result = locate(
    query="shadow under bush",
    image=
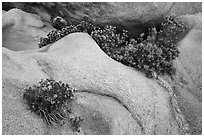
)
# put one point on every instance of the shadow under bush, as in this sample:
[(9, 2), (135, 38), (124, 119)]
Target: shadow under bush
[(152, 53), (51, 101)]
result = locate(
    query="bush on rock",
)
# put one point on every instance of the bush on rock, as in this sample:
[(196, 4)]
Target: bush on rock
[(154, 54), (49, 100)]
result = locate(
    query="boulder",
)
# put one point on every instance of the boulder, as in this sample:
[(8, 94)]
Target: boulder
[(59, 23), (111, 98), (183, 8), (189, 67), (188, 79), (21, 30), (3, 11), (190, 58), (136, 17)]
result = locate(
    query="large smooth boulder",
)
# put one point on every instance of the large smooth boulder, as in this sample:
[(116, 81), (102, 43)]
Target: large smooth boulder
[(136, 17), (189, 61), (3, 11), (189, 67), (188, 79), (185, 8), (21, 30), (111, 98)]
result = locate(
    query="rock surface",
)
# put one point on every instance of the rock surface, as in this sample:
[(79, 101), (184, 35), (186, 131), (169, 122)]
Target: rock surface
[(141, 102), (189, 68), (185, 8), (3, 11), (21, 30), (188, 79), (111, 98), (190, 58), (136, 17)]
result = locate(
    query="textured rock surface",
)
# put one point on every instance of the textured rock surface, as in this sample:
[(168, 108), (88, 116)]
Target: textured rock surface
[(3, 11), (121, 92), (21, 30), (189, 68), (112, 98), (190, 47), (188, 79), (136, 17), (183, 8)]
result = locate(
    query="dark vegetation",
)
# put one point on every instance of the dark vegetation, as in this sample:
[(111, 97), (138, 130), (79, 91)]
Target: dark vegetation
[(65, 10), (51, 101), (76, 123), (153, 53)]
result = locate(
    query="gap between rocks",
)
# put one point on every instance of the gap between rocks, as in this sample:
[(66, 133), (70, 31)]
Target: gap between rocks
[(177, 113), (138, 120)]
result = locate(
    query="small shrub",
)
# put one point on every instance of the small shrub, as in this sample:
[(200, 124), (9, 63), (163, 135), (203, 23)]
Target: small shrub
[(48, 100), (86, 27), (172, 29), (108, 39), (55, 35), (154, 54), (76, 123)]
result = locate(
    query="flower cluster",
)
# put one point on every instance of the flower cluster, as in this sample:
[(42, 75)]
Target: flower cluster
[(154, 54), (86, 27), (48, 100), (76, 123), (108, 39), (148, 56), (55, 35), (171, 29)]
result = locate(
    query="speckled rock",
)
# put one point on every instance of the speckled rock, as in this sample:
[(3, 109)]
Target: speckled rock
[(21, 30), (188, 79), (3, 11), (185, 8), (112, 98), (189, 66), (136, 17)]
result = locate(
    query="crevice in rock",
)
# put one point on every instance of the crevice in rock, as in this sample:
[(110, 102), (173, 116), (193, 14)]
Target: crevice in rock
[(185, 70), (176, 111), (170, 8), (45, 67), (138, 120), (7, 58)]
